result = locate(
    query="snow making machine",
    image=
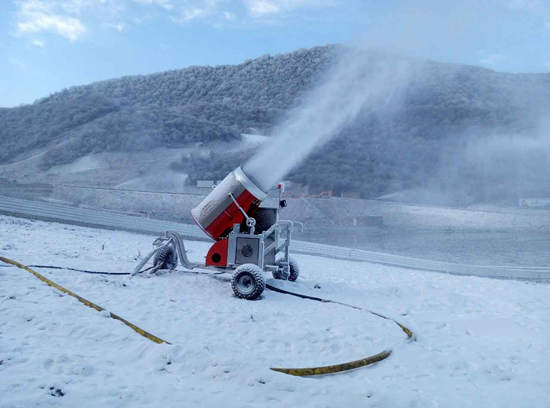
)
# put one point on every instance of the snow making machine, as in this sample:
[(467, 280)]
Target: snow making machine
[(249, 238)]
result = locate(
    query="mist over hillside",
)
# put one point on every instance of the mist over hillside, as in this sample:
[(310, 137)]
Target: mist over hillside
[(445, 132)]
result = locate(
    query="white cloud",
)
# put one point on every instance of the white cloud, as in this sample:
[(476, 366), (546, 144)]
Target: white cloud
[(80, 7), (181, 11), (38, 43), (66, 17), (117, 26), (165, 4), (186, 10), (262, 7), (259, 8), (187, 14), (72, 19), (229, 15), (68, 27), (37, 16)]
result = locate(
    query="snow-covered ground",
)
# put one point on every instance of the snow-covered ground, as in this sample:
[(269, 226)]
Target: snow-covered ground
[(480, 342)]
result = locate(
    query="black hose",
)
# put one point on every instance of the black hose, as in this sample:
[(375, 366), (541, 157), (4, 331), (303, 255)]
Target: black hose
[(71, 269), (110, 273), (79, 270)]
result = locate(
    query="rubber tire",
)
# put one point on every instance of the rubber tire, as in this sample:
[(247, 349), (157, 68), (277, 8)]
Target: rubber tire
[(166, 258), (256, 276), (294, 270)]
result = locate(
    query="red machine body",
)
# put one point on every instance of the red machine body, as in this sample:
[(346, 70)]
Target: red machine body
[(218, 212), (217, 254)]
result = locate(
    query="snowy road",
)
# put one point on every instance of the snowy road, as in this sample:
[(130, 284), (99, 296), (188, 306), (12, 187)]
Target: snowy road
[(112, 220), (481, 342)]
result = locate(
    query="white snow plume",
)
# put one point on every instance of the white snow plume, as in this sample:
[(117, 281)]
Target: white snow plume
[(358, 81), (495, 167)]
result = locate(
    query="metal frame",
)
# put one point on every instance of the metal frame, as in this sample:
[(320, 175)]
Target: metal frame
[(281, 232)]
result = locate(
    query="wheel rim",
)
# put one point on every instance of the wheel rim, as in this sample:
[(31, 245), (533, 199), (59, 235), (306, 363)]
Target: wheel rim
[(246, 284)]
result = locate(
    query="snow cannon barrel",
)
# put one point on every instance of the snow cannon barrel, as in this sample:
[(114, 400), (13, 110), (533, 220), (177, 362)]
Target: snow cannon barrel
[(217, 213)]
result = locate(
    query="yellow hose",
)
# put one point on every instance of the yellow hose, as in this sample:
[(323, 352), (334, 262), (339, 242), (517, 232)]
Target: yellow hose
[(137, 329), (301, 372)]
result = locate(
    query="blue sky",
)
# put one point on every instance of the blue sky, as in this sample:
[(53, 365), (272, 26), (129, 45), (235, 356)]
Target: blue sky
[(48, 45)]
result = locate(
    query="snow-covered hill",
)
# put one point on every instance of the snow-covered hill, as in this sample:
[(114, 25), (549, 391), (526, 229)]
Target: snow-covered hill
[(480, 342), (446, 112)]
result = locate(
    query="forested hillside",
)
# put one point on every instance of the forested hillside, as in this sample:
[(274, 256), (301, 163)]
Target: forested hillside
[(443, 105)]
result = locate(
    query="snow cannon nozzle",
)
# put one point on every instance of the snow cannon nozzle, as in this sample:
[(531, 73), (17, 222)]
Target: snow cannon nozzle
[(228, 204)]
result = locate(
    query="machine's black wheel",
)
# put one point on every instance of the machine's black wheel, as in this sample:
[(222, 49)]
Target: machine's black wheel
[(294, 270), (248, 281), (165, 258)]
